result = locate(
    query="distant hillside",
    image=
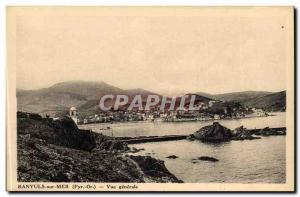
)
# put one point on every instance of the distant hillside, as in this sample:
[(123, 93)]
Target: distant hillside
[(144, 93), (47, 101), (88, 90), (271, 102), (61, 96), (210, 96), (258, 99), (198, 99), (85, 96), (240, 96)]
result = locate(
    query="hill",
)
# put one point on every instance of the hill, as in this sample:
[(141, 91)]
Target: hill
[(87, 90), (198, 99), (144, 93), (207, 95), (271, 102), (240, 96), (47, 101), (61, 96), (85, 96)]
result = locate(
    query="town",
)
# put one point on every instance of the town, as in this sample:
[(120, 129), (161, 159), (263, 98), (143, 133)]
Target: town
[(212, 110)]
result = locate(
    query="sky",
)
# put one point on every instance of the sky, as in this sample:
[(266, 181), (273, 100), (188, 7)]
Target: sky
[(168, 54)]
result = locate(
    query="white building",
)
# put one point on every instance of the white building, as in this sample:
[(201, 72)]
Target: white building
[(73, 114)]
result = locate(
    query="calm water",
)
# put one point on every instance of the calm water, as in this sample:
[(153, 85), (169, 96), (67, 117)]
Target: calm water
[(256, 161), (131, 129)]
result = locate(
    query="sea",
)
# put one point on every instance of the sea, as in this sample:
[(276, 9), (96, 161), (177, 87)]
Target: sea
[(249, 161)]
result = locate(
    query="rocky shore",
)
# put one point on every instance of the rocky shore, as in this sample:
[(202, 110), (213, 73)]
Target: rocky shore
[(217, 133), (57, 151)]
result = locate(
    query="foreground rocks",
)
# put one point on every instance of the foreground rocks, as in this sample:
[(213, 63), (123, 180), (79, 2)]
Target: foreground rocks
[(57, 151), (62, 132), (154, 168)]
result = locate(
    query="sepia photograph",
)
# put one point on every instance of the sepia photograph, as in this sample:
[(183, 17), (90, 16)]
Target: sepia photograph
[(150, 99)]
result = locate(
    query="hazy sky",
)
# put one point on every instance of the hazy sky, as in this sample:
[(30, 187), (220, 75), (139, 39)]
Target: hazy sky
[(165, 54)]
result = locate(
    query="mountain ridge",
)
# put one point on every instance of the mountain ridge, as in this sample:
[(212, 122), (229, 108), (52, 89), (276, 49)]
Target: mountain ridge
[(85, 96)]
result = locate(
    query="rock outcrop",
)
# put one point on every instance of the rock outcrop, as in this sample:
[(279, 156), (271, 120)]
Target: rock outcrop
[(63, 132), (155, 169), (218, 133), (242, 133), (213, 133), (39, 161), (57, 151), (172, 157), (268, 132), (206, 158)]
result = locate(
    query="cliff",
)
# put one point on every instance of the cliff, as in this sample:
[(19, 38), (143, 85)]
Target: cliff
[(57, 151)]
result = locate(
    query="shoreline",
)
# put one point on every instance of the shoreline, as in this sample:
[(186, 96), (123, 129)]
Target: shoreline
[(150, 121), (57, 151), (145, 128)]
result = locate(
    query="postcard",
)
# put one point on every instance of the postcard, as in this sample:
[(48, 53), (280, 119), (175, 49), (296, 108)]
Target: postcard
[(150, 99)]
